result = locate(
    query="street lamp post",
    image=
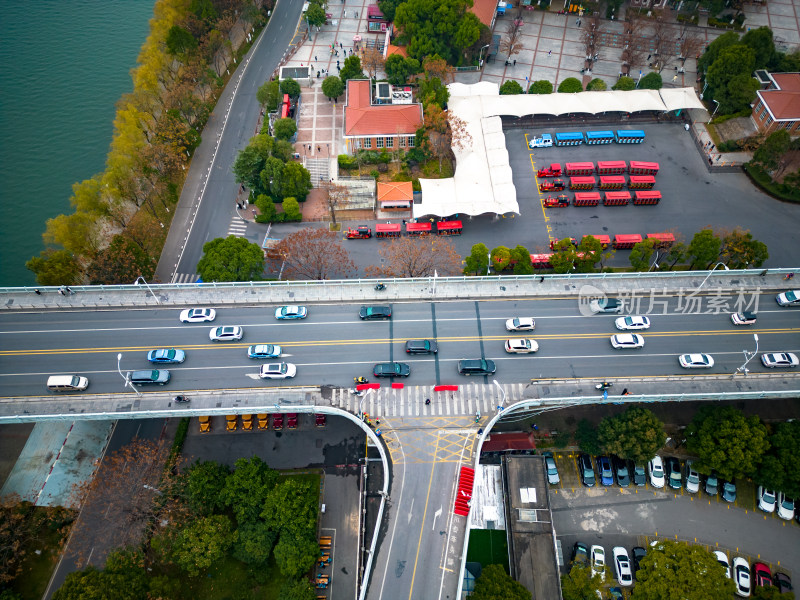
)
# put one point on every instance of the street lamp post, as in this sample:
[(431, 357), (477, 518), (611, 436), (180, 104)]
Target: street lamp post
[(711, 271), (124, 377), (148, 287), (500, 387), (748, 356), (480, 53), (716, 109)]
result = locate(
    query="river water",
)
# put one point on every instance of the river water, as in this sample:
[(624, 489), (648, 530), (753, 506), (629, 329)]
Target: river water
[(63, 66)]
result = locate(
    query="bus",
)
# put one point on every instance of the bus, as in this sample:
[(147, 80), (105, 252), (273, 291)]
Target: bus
[(586, 199), (599, 137), (626, 242), (642, 182), (579, 168), (581, 183), (663, 240), (541, 261), (605, 241), (617, 198), (569, 139), (612, 182), (646, 197), (611, 167), (643, 168), (285, 106), (629, 136)]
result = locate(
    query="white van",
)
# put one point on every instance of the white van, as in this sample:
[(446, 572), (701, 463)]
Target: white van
[(67, 383)]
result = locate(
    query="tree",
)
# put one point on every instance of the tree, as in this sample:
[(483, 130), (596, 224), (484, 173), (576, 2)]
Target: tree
[(122, 262), (564, 257), (291, 208), (762, 43), (204, 484), (651, 81), (202, 543), (570, 85), (291, 87), (313, 253), (247, 488), (410, 257), (433, 91), (388, 8), (436, 67), (495, 584), (300, 589), (690, 42), (521, 257), (295, 555), (726, 40), (664, 38), (179, 41), (676, 254), (115, 581), (284, 128), (580, 583), (625, 84), (295, 181), (541, 87), (588, 254), (641, 253), (291, 508), (587, 437), (725, 440), (267, 213), (636, 434), (351, 69), (741, 251), (477, 263), (399, 68), (511, 43), (333, 87), (633, 43), (511, 87), (269, 94), (501, 258), (254, 542), (731, 62), (372, 59), (677, 570), (251, 161), (231, 259), (703, 249), (316, 15), (448, 35), (779, 469), (765, 593), (596, 85), (771, 153), (55, 267)]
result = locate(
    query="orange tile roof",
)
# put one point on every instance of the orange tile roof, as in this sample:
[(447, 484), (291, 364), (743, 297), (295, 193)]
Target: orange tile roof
[(484, 10), (395, 190), (363, 119), (787, 82), (784, 106), (401, 50)]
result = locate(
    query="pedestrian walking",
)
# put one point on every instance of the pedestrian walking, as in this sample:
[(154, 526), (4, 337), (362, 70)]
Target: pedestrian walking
[(577, 21), (344, 14), (37, 292), (515, 62), (356, 14), (674, 78), (549, 52), (319, 149), (648, 56), (341, 45), (309, 147), (315, 58), (61, 291)]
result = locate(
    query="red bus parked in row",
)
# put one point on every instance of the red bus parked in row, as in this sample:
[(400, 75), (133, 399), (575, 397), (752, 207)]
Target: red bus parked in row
[(581, 183), (643, 168), (582, 168), (641, 182), (612, 182), (626, 241), (586, 199), (617, 198), (663, 240), (604, 240), (647, 197), (611, 167)]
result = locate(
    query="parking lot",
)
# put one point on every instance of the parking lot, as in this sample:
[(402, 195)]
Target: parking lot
[(635, 516)]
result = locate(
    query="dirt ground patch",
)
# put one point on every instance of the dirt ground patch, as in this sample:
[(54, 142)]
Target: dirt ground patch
[(735, 129)]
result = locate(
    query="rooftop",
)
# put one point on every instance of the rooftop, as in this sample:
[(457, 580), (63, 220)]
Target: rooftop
[(395, 190), (362, 118), (484, 10)]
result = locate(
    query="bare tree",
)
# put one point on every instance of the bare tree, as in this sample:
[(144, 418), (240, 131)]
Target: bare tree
[(665, 37), (335, 195), (590, 36), (511, 43), (313, 253), (417, 257), (689, 42), (633, 43), (372, 60)]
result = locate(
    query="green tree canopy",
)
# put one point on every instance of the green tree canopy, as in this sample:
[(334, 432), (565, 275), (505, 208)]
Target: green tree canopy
[(541, 87), (624, 84), (399, 68), (580, 584), (204, 484), (570, 85), (714, 48), (641, 253), (495, 584), (291, 87), (636, 434), (388, 8), (202, 543), (291, 208), (501, 258), (269, 94), (511, 87), (267, 212), (295, 181), (588, 254), (231, 259), (772, 150), (316, 15), (725, 440), (521, 257), (284, 128), (251, 161), (351, 69), (564, 257), (442, 27), (596, 85), (477, 263), (741, 251), (296, 555), (271, 177), (254, 542), (299, 589), (587, 437), (723, 83), (247, 488), (762, 44), (651, 81), (290, 508), (433, 91), (780, 469), (333, 87), (180, 41), (55, 267), (676, 570), (703, 249)]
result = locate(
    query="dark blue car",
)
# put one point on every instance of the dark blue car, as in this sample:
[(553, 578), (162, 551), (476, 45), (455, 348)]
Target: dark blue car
[(605, 470)]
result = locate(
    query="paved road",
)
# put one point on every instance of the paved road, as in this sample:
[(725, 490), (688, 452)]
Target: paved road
[(206, 209), (332, 345)]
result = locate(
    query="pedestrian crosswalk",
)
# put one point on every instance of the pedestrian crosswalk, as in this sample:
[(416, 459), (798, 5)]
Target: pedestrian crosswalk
[(238, 226), (185, 278), (410, 401)]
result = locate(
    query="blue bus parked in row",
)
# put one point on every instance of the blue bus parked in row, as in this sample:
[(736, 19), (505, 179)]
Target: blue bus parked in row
[(569, 139), (599, 137), (629, 136)]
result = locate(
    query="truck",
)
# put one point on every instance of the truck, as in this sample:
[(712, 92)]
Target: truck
[(544, 141)]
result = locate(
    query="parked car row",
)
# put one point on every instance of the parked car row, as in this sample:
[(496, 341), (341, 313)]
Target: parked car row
[(747, 579), (611, 469), (262, 421)]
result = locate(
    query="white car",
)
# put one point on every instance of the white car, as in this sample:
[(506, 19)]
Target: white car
[(598, 555), (227, 333), (632, 323), (692, 478), (696, 361), (622, 564), (791, 298), (291, 312), (521, 324), (722, 559), (766, 499), (521, 346), (198, 315), (279, 370), (785, 507), (741, 577), (656, 469), (744, 318), (627, 340), (779, 359)]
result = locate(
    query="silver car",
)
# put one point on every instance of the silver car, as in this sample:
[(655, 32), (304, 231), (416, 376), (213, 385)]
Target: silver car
[(696, 361), (623, 341), (224, 334), (552, 470), (632, 323), (779, 359)]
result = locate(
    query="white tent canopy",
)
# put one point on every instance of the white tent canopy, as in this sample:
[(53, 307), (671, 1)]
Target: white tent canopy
[(482, 182)]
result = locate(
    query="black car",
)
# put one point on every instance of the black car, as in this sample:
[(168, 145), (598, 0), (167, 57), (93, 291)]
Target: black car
[(673, 473), (477, 366), (391, 369), (374, 313), (783, 582), (580, 553), (622, 472), (637, 554), (586, 470), (712, 484), (639, 475), (421, 347)]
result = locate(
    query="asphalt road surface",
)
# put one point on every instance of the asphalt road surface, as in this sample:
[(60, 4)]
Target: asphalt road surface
[(333, 345)]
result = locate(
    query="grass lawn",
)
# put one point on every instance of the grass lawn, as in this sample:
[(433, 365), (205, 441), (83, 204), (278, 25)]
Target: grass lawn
[(488, 547)]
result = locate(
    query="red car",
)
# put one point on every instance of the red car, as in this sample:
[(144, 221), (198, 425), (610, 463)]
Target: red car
[(762, 575), (277, 422), (291, 420), (320, 420)]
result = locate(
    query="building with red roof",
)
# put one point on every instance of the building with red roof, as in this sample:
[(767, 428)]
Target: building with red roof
[(778, 105), (485, 10), (372, 126)]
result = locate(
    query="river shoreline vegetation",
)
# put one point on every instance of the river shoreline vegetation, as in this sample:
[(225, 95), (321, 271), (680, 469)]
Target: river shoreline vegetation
[(122, 215)]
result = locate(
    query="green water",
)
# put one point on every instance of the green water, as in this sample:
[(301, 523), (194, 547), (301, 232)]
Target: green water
[(64, 65)]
